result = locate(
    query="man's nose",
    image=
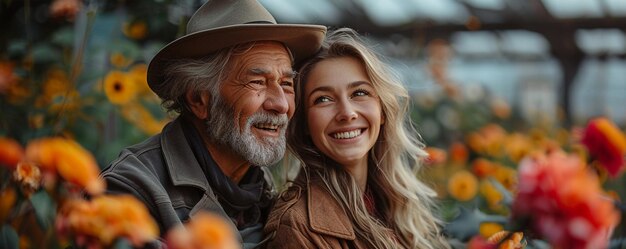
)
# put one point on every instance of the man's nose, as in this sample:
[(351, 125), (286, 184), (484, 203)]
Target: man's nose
[(276, 100)]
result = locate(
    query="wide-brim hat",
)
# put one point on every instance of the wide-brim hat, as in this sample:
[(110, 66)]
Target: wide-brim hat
[(219, 24)]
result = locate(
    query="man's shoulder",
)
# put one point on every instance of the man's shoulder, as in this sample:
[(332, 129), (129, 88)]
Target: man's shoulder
[(137, 154)]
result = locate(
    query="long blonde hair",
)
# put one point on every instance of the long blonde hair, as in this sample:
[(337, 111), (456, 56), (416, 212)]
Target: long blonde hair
[(404, 203)]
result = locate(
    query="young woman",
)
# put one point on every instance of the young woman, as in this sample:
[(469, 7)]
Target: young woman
[(356, 188)]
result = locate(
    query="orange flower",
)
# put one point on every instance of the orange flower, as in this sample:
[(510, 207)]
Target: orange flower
[(11, 153), (136, 30), (483, 167), (70, 160), (436, 156), (463, 185), (204, 231), (563, 203), (118, 60), (7, 77), (28, 175), (7, 200), (487, 140), (500, 108), (512, 242), (458, 153), (65, 9), (606, 143), (105, 218)]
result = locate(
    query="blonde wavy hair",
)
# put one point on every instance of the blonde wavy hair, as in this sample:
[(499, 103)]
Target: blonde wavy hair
[(403, 201)]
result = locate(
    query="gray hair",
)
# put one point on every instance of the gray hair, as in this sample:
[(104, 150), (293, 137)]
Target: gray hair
[(197, 75)]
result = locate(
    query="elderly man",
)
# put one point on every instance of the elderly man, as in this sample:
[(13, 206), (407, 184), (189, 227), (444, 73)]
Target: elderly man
[(231, 79)]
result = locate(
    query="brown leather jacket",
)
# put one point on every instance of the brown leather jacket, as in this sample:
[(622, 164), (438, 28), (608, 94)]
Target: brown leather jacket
[(307, 216)]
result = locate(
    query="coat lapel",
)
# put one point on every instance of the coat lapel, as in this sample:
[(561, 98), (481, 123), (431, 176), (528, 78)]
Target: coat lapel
[(326, 215)]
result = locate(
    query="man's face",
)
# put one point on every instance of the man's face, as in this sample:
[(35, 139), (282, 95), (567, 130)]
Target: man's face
[(255, 103)]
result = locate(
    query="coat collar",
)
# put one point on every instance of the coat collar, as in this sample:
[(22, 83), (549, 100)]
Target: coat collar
[(184, 169), (326, 216)]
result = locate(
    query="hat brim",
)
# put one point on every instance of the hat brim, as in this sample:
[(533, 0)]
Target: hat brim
[(303, 41)]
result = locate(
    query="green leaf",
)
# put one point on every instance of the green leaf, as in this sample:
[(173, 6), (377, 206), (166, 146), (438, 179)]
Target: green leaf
[(45, 208), (8, 238), (44, 53), (64, 37), (122, 243)]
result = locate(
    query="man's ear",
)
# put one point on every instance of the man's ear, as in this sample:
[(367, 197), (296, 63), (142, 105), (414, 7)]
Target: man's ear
[(198, 103)]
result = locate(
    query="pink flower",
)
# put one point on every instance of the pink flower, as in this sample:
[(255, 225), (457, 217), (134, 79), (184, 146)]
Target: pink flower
[(563, 203), (605, 143)]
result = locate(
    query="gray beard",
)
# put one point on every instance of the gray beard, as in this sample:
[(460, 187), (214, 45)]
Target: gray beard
[(223, 129)]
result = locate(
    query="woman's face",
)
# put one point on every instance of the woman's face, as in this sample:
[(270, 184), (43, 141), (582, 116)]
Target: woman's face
[(343, 110)]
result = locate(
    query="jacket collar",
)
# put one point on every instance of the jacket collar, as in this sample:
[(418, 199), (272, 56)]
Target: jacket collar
[(182, 165), (326, 216)]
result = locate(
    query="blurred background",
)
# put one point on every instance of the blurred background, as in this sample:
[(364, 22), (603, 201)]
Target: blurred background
[(491, 80)]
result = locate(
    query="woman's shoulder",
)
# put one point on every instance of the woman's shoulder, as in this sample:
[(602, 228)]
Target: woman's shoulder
[(289, 206)]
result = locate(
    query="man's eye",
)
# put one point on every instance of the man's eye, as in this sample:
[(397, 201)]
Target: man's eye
[(257, 82), (321, 99), (287, 83)]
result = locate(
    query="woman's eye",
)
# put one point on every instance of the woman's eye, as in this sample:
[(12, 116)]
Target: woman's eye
[(321, 99), (360, 92)]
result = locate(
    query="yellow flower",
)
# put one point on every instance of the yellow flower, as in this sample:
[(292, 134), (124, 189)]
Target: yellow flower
[(488, 229), (506, 176), (136, 30), (139, 73), (28, 175), (11, 152), (491, 194), (119, 88), (517, 146), (118, 60), (463, 185), (204, 230), (142, 119)]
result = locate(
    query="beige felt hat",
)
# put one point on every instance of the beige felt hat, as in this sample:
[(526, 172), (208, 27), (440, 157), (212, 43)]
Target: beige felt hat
[(223, 23)]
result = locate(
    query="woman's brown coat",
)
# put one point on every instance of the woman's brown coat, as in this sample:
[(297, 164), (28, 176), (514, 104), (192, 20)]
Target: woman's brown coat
[(307, 216)]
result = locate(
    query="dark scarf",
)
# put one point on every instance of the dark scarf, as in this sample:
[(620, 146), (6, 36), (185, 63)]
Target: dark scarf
[(247, 203)]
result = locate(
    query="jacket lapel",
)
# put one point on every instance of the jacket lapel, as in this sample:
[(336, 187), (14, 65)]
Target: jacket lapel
[(326, 215)]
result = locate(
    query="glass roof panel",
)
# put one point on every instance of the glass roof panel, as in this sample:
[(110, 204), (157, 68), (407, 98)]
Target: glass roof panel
[(524, 42), (598, 41), (574, 9), (385, 13), (616, 7), (444, 11), (287, 12), (481, 43), (487, 4)]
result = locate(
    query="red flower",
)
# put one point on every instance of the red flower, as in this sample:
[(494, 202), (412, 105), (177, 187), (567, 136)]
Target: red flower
[(563, 203), (605, 143)]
